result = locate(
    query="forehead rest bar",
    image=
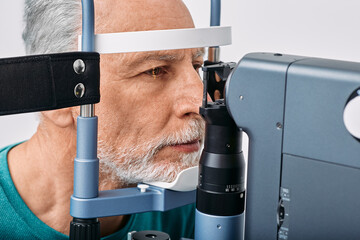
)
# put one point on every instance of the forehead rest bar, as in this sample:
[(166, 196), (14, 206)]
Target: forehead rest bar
[(157, 40), (47, 82)]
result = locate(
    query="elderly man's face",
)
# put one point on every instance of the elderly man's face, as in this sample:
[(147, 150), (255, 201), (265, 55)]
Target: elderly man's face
[(149, 126)]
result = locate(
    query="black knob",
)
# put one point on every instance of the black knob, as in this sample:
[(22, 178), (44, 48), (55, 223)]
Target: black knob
[(150, 235), (85, 229)]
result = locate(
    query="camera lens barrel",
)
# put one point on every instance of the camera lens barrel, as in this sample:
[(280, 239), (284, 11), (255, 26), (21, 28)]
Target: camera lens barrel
[(221, 188)]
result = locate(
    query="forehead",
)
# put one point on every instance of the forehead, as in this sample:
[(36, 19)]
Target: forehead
[(125, 62), (166, 55), (122, 64), (140, 15)]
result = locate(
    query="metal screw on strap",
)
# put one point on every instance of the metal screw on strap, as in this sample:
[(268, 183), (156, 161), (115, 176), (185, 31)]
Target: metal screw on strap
[(79, 90), (79, 66)]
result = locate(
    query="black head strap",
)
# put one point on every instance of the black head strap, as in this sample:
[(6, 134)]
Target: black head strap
[(46, 82)]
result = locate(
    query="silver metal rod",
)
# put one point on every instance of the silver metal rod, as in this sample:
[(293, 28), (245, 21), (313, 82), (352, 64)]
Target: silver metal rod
[(214, 54), (87, 110)]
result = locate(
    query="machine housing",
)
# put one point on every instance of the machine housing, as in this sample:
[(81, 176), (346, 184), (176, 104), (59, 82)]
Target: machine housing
[(303, 166)]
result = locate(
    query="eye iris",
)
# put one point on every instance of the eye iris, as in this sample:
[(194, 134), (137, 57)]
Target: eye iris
[(155, 71)]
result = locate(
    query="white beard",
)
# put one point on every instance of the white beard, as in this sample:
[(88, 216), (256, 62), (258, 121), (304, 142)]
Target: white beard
[(134, 164)]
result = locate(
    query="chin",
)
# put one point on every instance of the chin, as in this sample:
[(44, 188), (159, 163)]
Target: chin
[(156, 165)]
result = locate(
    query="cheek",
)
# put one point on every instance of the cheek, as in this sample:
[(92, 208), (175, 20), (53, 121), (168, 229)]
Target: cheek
[(128, 115), (131, 110)]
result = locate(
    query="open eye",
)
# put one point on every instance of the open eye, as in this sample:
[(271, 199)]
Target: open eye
[(155, 72), (197, 67)]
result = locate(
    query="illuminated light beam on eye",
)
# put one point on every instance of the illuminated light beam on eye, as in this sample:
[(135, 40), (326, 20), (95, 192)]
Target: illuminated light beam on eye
[(153, 73)]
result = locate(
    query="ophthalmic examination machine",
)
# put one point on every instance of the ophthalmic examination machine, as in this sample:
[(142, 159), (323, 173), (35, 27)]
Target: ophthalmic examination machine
[(302, 116)]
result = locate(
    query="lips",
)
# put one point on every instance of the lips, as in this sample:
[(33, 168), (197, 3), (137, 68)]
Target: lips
[(188, 147)]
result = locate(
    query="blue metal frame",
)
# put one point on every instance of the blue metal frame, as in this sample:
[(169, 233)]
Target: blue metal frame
[(129, 201), (218, 227), (87, 26), (215, 13), (86, 163)]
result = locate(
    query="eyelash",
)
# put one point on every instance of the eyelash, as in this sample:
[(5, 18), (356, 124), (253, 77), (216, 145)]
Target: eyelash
[(158, 71), (155, 72)]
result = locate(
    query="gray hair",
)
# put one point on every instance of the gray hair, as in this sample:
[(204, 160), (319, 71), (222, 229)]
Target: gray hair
[(51, 26)]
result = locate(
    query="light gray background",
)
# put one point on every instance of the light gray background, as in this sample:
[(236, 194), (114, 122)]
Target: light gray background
[(321, 28)]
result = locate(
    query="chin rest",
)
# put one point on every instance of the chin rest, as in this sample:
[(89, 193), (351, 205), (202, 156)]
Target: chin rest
[(47, 82)]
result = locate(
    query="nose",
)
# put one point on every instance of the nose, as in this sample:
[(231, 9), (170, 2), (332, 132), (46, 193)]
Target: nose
[(188, 93)]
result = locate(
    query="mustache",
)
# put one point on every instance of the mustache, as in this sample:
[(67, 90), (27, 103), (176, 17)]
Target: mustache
[(131, 164), (195, 131)]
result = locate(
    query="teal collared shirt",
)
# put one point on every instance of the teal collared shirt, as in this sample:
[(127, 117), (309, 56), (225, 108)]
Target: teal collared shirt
[(18, 222)]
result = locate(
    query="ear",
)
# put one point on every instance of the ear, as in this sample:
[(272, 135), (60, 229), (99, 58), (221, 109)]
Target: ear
[(62, 117)]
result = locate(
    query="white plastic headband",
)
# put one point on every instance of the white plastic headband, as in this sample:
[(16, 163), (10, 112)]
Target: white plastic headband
[(143, 41)]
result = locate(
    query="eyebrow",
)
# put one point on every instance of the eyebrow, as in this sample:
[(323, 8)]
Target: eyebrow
[(155, 56), (199, 53)]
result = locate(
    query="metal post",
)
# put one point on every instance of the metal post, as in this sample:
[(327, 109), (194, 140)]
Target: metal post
[(86, 163), (215, 16)]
